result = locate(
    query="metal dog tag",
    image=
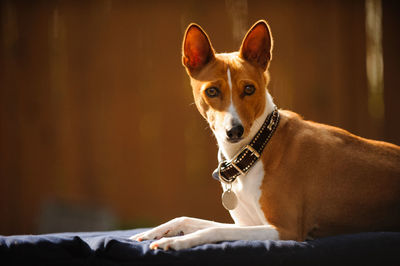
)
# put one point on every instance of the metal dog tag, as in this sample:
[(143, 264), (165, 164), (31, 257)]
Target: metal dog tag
[(229, 199)]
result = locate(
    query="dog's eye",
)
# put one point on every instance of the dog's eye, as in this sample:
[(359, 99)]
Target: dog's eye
[(212, 92), (249, 89)]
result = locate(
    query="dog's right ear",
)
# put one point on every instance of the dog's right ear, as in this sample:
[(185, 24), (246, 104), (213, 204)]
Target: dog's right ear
[(197, 51)]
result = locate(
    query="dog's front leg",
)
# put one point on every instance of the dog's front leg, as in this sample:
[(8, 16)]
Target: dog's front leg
[(227, 232), (175, 227)]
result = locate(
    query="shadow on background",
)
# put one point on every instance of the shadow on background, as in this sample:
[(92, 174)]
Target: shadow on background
[(98, 130)]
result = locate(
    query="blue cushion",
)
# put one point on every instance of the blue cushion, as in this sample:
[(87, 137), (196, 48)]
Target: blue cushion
[(114, 248)]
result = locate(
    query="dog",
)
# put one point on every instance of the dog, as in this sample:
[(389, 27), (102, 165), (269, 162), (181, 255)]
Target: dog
[(284, 178)]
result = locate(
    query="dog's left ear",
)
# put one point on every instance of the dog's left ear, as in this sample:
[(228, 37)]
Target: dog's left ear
[(257, 45)]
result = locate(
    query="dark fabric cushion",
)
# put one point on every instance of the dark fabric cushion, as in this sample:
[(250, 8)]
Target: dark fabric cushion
[(114, 248)]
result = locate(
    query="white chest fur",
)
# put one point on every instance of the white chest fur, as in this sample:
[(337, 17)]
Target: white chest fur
[(248, 191), (247, 188)]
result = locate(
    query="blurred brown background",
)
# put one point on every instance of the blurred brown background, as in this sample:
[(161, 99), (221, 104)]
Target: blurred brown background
[(97, 126)]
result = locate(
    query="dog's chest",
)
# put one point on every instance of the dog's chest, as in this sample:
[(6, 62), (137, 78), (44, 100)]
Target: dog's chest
[(248, 191)]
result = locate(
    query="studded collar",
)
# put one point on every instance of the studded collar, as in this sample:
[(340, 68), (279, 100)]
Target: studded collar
[(241, 163)]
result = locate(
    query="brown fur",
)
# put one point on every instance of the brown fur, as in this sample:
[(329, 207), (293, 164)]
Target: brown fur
[(321, 180)]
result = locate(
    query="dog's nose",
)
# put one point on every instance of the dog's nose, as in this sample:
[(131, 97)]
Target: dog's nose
[(235, 133)]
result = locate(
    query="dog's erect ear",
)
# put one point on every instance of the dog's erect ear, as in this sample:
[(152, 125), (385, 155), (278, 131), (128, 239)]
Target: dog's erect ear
[(197, 50), (257, 45)]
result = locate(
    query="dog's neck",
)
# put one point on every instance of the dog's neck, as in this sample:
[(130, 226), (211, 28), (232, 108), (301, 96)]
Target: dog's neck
[(230, 149)]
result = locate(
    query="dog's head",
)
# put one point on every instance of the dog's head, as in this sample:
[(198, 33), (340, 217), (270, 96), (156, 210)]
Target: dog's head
[(229, 89)]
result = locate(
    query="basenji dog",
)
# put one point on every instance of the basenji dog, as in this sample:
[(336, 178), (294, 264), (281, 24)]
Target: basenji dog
[(284, 178)]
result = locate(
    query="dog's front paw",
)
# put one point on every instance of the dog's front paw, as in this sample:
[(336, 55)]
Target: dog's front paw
[(171, 228), (175, 243), (154, 234)]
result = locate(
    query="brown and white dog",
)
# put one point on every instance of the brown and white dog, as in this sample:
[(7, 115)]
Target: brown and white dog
[(311, 181)]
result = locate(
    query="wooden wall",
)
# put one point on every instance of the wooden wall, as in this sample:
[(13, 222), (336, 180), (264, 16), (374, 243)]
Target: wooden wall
[(96, 109)]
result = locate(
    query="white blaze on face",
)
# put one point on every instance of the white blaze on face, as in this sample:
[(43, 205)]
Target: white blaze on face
[(231, 114), (227, 119), (228, 73)]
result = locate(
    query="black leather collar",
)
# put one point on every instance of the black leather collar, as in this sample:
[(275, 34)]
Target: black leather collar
[(241, 163)]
